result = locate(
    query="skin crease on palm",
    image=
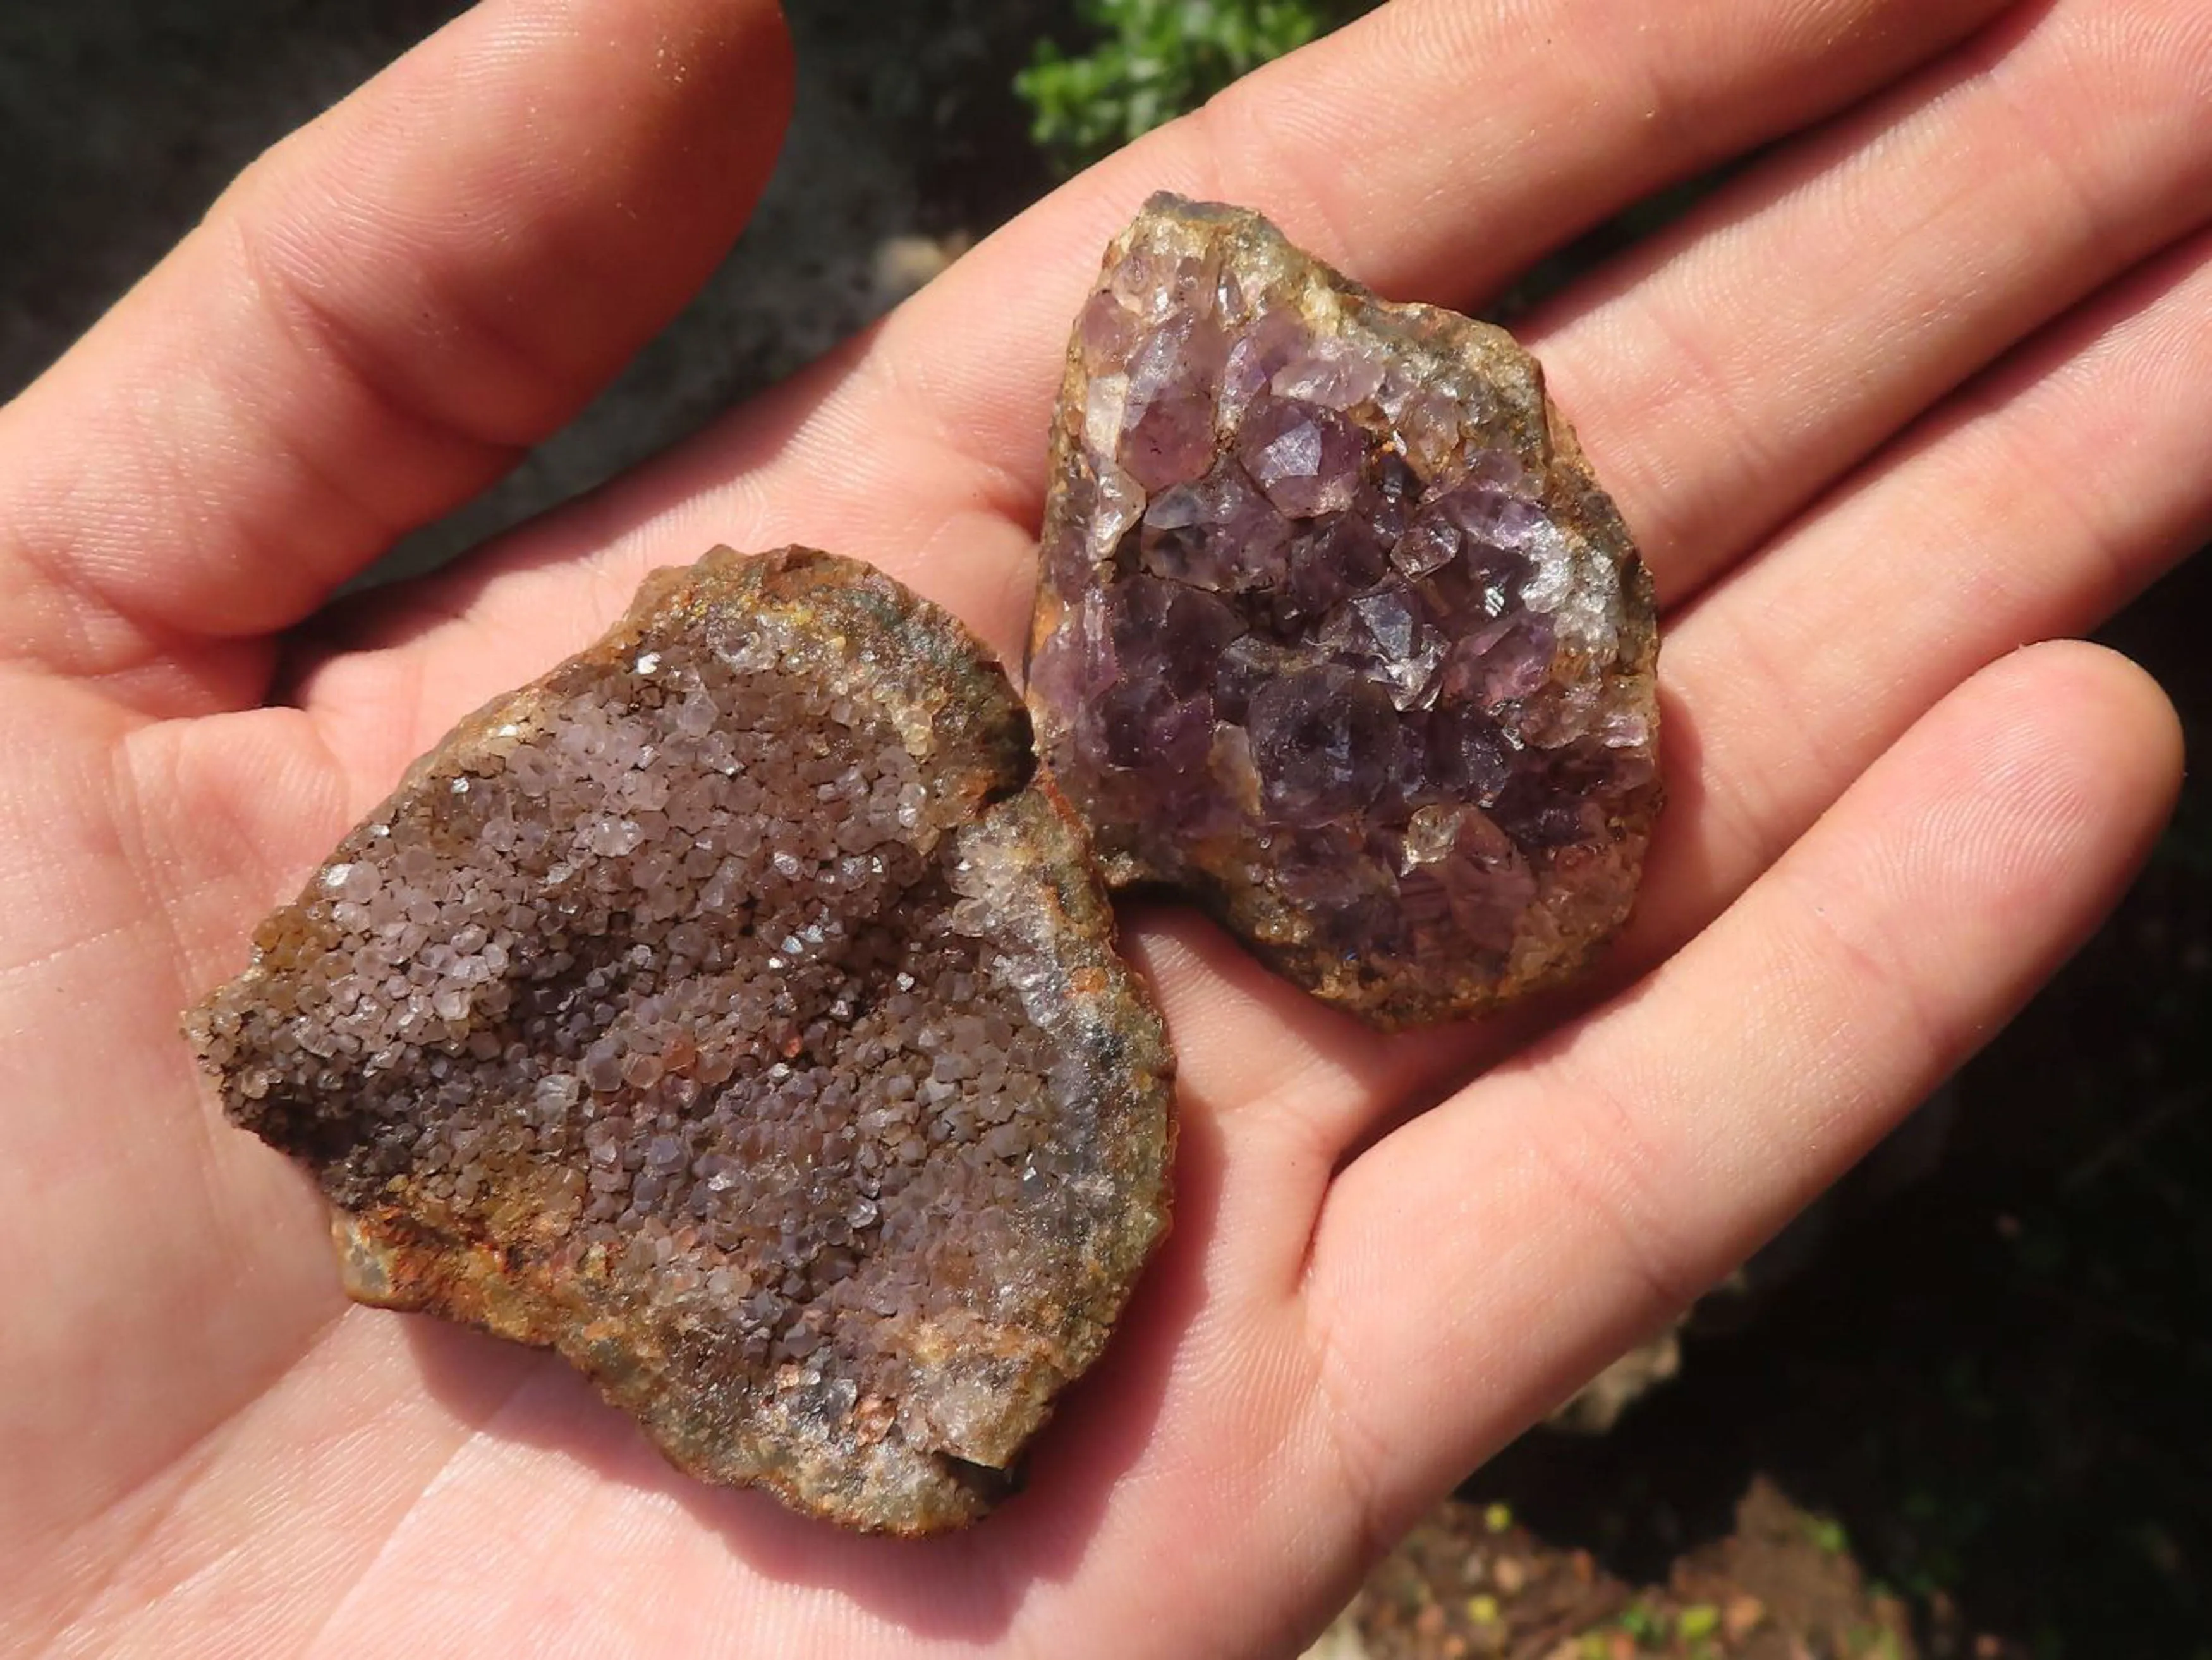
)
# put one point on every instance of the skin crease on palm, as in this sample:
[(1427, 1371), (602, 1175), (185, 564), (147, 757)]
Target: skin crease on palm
[(1924, 384)]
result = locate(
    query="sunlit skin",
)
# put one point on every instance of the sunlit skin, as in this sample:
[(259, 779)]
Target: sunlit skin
[(1924, 384)]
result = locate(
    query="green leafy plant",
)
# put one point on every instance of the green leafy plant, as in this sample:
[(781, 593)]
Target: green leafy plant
[(1647, 1627), (1828, 1535), (1151, 60)]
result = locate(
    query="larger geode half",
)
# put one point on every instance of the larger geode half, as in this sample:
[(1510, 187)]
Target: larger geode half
[(1336, 630), (728, 1011)]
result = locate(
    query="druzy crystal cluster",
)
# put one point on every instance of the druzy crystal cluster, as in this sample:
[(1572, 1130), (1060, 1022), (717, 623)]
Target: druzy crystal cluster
[(1336, 631), (730, 1010)]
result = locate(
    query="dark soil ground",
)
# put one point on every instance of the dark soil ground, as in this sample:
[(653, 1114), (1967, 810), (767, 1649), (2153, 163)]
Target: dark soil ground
[(1472, 1582), (1961, 1413)]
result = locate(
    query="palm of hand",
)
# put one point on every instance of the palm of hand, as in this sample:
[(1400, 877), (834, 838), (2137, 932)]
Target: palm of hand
[(1883, 834)]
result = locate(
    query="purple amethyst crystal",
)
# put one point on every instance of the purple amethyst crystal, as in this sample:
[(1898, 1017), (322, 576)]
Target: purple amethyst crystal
[(1337, 631)]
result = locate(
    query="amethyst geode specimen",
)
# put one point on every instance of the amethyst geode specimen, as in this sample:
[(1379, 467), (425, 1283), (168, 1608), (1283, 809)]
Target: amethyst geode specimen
[(1337, 631), (730, 1011)]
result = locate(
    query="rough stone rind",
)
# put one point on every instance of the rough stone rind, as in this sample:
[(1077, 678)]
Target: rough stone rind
[(1299, 544), (542, 1147)]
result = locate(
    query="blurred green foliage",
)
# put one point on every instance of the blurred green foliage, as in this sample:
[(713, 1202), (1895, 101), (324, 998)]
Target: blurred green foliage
[(1151, 60)]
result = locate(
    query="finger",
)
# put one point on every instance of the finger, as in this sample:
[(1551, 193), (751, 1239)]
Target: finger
[(920, 448), (1730, 368), (371, 324), (2031, 506), (1566, 1205)]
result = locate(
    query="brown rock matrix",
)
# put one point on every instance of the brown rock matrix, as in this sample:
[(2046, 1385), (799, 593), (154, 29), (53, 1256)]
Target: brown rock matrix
[(730, 1012), (1337, 632)]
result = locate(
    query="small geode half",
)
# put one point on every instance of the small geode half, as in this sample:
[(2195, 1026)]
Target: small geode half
[(1336, 630), (731, 1011)]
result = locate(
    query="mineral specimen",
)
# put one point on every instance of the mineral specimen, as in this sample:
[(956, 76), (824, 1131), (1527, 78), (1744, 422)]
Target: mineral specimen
[(1337, 631), (730, 1012)]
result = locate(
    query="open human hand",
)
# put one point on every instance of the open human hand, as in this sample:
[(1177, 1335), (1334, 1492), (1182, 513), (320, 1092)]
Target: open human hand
[(1925, 382)]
